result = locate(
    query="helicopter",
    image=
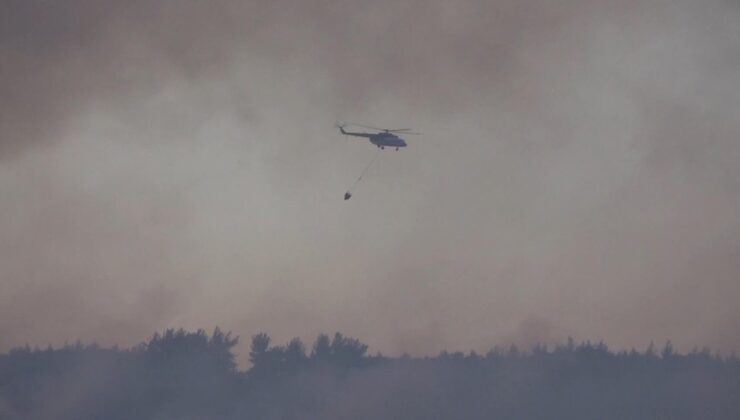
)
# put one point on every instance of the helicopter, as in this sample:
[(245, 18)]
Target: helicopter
[(384, 137)]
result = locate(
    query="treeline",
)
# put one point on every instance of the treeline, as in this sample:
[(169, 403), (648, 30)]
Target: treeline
[(193, 375)]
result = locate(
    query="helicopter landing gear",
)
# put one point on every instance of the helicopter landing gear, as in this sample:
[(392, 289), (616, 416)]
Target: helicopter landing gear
[(396, 148), (382, 147)]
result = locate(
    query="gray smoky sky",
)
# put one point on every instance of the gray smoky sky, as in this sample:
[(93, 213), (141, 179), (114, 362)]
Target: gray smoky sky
[(174, 163)]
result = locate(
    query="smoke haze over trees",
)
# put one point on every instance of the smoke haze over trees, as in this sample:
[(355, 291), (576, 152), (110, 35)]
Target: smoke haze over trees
[(193, 375), (175, 162)]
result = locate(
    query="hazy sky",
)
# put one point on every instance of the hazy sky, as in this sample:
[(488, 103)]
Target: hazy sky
[(174, 163)]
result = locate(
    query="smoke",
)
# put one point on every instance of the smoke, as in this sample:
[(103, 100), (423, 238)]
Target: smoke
[(174, 163)]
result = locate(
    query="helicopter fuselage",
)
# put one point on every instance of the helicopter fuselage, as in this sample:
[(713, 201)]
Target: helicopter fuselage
[(387, 139)]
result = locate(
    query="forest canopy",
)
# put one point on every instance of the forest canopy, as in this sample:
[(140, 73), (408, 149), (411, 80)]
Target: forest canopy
[(179, 374)]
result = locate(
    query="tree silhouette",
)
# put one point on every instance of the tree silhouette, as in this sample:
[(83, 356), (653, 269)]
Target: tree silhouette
[(295, 354), (321, 348)]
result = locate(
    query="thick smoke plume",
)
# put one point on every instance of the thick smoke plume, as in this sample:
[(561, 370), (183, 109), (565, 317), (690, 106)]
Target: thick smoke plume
[(175, 163)]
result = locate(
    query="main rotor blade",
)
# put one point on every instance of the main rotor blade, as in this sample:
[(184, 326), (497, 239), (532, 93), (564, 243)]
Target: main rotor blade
[(395, 130), (367, 126)]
